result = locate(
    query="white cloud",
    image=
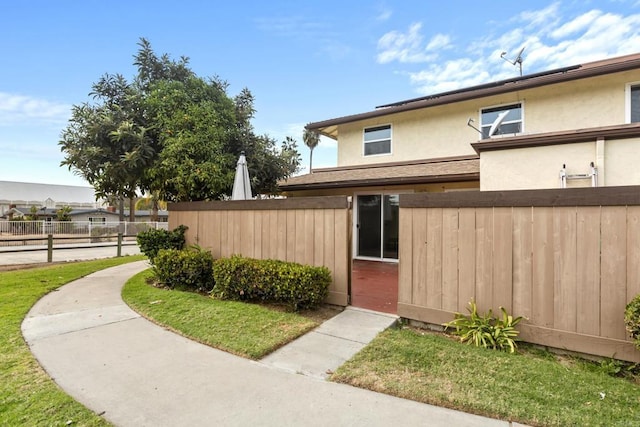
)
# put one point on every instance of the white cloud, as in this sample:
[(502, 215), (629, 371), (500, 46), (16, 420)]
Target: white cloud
[(550, 41), (540, 18), (384, 14), (404, 47), (19, 109), (439, 41), (579, 24)]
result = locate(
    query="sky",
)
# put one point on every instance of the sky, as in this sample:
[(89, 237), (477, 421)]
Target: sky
[(303, 61)]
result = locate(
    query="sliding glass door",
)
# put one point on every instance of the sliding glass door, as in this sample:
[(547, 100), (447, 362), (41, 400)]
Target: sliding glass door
[(377, 226)]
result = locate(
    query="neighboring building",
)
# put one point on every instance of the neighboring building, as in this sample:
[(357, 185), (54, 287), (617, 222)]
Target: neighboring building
[(582, 121), (99, 216), (49, 196)]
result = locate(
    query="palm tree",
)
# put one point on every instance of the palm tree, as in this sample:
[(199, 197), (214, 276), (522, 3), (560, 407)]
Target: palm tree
[(311, 139)]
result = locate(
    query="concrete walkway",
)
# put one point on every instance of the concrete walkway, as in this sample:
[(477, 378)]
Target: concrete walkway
[(135, 373)]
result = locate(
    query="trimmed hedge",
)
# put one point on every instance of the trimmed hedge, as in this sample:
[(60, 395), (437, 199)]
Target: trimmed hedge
[(632, 319), (152, 241), (189, 269), (246, 279)]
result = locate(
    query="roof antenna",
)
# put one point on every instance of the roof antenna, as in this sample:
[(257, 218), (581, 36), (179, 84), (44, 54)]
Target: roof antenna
[(518, 59)]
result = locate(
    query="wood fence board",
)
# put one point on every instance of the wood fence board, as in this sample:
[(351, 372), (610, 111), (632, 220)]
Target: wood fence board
[(484, 258), (300, 240), (434, 258), (588, 270), (319, 237), (208, 232), (330, 241), (522, 261), (267, 232), (503, 258), (633, 252), (542, 268), (467, 257), (573, 341), (308, 237), (564, 268), (405, 256), (291, 228), (257, 234), (450, 259), (281, 235), (419, 262), (224, 235), (248, 237), (614, 272)]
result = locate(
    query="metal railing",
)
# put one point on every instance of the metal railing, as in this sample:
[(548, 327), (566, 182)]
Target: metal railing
[(70, 229), (38, 243)]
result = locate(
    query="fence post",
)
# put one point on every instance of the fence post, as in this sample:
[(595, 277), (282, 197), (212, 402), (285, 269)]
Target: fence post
[(49, 247), (119, 254)]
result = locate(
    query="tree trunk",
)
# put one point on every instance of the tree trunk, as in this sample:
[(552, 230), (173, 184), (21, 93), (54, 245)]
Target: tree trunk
[(154, 208), (311, 161), (121, 209), (132, 210)]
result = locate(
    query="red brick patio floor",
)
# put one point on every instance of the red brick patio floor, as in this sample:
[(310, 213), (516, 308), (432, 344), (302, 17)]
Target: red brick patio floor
[(374, 285)]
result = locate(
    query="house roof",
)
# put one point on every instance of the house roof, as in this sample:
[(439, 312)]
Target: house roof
[(81, 211), (592, 69), (26, 191), (464, 168)]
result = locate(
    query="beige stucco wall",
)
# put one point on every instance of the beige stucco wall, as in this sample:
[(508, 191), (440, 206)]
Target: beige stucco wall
[(442, 131), (539, 167)]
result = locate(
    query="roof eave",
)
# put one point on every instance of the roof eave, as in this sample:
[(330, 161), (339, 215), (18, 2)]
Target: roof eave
[(475, 176), (526, 82)]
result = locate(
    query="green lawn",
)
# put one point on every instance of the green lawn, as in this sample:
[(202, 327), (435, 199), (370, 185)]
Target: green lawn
[(533, 387), (248, 330), (27, 395)]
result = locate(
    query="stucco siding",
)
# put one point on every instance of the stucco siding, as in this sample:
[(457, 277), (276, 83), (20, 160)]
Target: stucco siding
[(622, 162), (539, 167), (442, 131), (534, 167)]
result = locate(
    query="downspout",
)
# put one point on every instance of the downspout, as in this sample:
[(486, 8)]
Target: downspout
[(600, 147)]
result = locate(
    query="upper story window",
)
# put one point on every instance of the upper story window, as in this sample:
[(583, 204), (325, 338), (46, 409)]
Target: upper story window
[(633, 103), (503, 120), (377, 140)]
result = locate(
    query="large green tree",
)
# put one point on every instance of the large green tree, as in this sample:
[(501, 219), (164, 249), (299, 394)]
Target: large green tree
[(171, 134)]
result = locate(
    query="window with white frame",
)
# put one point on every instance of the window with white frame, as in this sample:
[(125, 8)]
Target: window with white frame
[(502, 120), (633, 103), (377, 140), (97, 219)]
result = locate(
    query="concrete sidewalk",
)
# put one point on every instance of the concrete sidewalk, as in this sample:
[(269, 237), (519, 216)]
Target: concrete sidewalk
[(138, 374)]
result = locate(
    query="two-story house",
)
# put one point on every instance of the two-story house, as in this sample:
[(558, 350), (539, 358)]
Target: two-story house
[(572, 126)]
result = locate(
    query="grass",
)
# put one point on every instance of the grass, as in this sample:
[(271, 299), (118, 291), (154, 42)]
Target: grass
[(533, 387), (27, 395), (247, 330)]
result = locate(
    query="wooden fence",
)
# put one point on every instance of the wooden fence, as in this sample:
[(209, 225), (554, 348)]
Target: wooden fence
[(568, 260), (313, 231)]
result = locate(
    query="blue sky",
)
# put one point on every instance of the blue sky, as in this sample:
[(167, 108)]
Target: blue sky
[(303, 61)]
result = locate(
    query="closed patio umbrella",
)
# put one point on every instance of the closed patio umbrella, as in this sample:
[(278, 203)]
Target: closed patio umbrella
[(241, 183)]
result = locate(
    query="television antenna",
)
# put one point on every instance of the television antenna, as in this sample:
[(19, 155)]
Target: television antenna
[(518, 59)]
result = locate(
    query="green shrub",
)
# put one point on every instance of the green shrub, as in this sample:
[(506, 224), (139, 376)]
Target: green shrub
[(485, 330), (632, 319), (298, 286), (152, 241), (189, 269)]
